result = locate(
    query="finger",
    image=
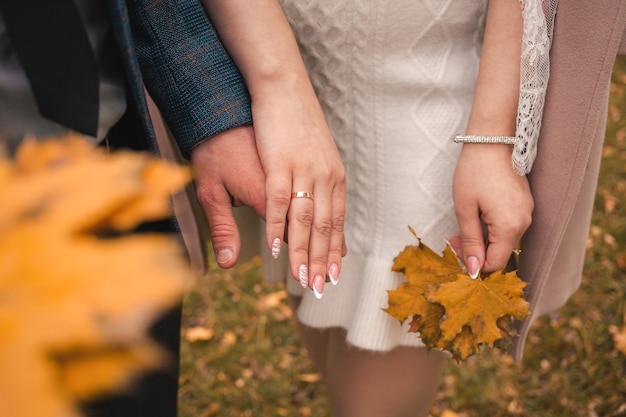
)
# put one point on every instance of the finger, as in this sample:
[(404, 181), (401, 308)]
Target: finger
[(337, 246), (502, 241), (498, 255), (224, 233), (300, 219), (319, 240), (472, 240), (278, 190)]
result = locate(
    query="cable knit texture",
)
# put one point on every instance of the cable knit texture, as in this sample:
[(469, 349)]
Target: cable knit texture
[(396, 81)]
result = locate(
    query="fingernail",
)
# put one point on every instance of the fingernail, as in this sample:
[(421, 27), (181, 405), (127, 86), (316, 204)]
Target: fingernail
[(333, 274), (224, 255), (303, 275), (473, 267), (318, 286), (276, 243)]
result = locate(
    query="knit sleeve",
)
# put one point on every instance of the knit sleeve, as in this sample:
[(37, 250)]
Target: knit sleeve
[(187, 70), (538, 19)]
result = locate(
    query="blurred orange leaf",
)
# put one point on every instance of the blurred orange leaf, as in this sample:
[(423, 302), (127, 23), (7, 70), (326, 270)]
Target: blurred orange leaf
[(450, 310), (78, 290)]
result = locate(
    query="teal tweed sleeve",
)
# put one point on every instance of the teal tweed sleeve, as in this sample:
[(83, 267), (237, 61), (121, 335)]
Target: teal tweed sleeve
[(187, 71)]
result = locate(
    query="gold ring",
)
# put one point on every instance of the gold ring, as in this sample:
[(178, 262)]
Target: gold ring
[(302, 194), (517, 251)]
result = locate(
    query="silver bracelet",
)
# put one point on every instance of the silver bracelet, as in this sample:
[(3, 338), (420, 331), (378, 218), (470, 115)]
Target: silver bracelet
[(504, 140)]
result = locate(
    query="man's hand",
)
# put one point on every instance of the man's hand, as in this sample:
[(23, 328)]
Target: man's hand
[(228, 174)]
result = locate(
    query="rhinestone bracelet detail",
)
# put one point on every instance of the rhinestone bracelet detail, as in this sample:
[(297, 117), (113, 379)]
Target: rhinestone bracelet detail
[(503, 140)]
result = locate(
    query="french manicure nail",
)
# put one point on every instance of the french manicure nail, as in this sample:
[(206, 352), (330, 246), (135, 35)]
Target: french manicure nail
[(224, 255), (333, 274), (303, 275), (318, 286), (276, 243), (473, 267)]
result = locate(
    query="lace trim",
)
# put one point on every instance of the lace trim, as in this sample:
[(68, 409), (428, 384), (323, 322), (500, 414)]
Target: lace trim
[(538, 18)]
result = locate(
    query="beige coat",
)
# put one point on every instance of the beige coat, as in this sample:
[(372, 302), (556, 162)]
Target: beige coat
[(587, 37)]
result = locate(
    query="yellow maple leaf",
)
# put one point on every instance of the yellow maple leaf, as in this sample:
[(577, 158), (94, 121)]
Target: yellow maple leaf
[(479, 303), (450, 310), (462, 346), (427, 324), (422, 267), (78, 290)]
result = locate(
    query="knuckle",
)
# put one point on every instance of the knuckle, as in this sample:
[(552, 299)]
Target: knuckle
[(300, 251), (335, 252), (331, 174), (338, 223), (326, 174), (527, 220), (513, 224), (206, 195), (471, 240), (276, 223), (322, 227), (318, 261), (279, 198), (341, 175), (304, 217), (221, 230)]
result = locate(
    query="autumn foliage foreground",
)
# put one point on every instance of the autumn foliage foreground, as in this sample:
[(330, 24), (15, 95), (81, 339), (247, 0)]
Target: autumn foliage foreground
[(78, 290)]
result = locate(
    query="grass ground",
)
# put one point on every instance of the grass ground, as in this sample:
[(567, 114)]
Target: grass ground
[(241, 356)]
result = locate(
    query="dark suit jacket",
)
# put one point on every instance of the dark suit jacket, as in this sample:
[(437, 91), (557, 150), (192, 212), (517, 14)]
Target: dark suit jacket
[(172, 57)]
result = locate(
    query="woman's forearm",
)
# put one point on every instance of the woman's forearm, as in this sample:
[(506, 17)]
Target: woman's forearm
[(494, 110), (487, 189), (259, 38)]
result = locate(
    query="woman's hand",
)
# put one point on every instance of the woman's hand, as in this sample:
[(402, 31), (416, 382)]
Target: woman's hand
[(487, 188), (298, 154)]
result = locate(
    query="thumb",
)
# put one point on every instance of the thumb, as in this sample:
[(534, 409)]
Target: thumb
[(224, 232)]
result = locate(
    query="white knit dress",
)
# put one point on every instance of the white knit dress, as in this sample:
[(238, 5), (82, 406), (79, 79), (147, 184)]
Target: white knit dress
[(395, 79)]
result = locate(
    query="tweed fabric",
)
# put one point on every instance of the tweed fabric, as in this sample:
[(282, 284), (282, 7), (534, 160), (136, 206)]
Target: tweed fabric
[(187, 71)]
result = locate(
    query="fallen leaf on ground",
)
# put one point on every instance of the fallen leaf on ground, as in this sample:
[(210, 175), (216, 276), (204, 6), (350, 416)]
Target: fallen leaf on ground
[(619, 337), (310, 378), (199, 334)]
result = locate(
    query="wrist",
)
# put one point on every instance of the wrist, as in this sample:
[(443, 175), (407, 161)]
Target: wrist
[(489, 153)]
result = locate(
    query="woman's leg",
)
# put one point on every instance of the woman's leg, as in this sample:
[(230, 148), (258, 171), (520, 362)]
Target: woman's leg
[(399, 383)]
